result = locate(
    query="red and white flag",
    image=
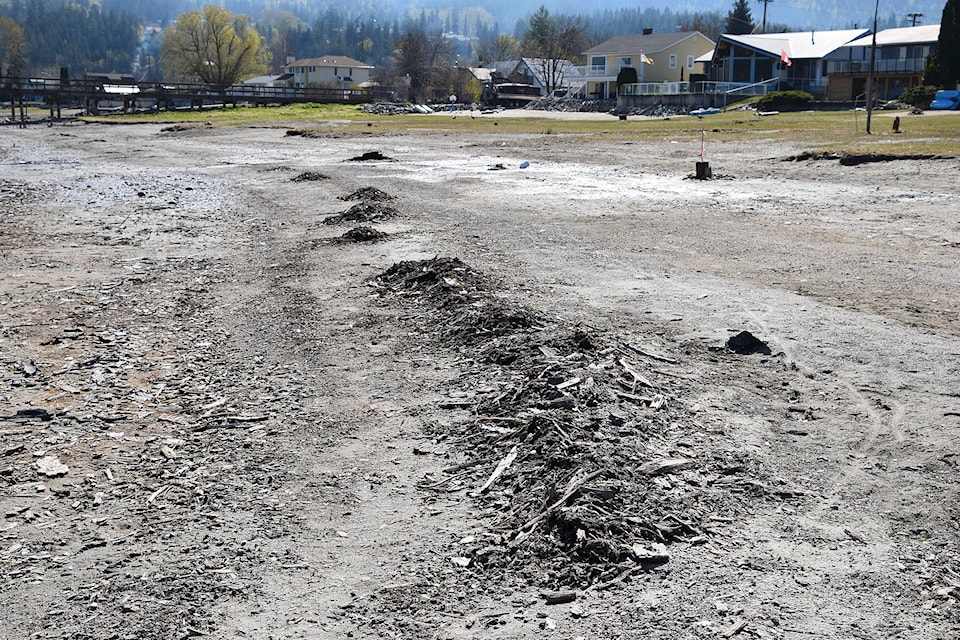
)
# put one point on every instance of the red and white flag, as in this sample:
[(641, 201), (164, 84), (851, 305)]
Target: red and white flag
[(785, 58)]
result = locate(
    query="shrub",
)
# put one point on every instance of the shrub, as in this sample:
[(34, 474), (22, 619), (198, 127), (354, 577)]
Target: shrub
[(784, 101), (919, 96), (627, 75)]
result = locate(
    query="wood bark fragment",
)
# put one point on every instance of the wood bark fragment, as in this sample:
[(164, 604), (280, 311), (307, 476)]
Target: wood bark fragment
[(501, 467), (734, 629), (558, 597), (647, 354)]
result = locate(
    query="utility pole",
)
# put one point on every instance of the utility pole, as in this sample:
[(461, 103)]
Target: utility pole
[(763, 29), (873, 61), (914, 18)]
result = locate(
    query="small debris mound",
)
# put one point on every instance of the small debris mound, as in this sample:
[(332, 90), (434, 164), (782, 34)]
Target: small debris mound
[(745, 343), (369, 156), (310, 176), (369, 193), (362, 234), (363, 212), (438, 277)]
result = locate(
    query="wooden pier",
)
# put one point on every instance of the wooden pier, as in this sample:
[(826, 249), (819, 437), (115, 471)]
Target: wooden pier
[(91, 94)]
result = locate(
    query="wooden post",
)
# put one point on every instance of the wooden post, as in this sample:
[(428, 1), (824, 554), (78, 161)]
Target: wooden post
[(703, 171)]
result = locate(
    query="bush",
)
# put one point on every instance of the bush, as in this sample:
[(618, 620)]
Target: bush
[(627, 75), (919, 96), (784, 101)]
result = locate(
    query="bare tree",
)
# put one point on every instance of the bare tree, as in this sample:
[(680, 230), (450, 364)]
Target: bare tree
[(552, 40), (501, 47), (423, 58), (709, 23)]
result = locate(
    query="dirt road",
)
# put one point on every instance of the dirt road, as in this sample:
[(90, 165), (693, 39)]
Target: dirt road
[(514, 415)]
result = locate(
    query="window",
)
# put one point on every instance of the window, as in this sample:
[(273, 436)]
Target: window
[(673, 61), (624, 62), (689, 62), (598, 64)]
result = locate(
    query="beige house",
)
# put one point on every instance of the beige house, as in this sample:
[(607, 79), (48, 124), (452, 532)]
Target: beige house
[(327, 71), (657, 57)]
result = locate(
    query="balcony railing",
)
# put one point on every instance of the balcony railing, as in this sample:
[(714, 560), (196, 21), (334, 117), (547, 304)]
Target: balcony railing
[(677, 88), (603, 70), (856, 67)]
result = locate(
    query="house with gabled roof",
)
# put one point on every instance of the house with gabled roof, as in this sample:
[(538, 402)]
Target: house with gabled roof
[(899, 60), (546, 75), (327, 71), (796, 59), (657, 57)]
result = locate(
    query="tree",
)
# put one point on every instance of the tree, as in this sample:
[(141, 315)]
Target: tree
[(709, 23), (13, 45), (213, 46), (947, 62), (552, 41), (422, 58), (627, 75), (739, 20), (499, 48)]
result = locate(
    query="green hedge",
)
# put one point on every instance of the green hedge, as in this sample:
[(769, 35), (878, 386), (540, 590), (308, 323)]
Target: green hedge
[(784, 101)]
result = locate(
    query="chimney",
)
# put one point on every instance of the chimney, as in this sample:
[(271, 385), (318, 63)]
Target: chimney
[(647, 31), (290, 58)]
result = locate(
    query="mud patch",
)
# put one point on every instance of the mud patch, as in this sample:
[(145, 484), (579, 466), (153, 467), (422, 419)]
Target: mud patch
[(853, 159), (370, 156), (745, 343)]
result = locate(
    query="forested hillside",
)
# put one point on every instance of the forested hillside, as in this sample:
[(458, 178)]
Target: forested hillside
[(65, 34), (124, 35)]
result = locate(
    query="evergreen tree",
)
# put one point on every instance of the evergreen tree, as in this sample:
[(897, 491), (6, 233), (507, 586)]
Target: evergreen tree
[(739, 20), (948, 46)]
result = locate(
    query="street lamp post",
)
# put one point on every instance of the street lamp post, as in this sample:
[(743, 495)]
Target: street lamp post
[(873, 60)]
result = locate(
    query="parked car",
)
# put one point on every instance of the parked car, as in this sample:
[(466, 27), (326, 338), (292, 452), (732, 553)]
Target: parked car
[(946, 100)]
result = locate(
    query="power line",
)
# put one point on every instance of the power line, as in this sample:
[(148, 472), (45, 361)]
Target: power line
[(914, 18)]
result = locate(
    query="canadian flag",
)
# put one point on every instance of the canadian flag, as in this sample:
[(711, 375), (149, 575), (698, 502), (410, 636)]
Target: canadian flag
[(785, 58)]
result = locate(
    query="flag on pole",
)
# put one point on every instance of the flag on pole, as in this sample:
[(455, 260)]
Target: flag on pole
[(785, 58), (703, 143), (644, 59)]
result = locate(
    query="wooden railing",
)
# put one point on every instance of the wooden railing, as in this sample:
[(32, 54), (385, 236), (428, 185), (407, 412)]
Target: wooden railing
[(57, 89)]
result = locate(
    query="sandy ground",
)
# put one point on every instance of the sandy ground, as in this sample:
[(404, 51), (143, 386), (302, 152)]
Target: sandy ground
[(219, 422)]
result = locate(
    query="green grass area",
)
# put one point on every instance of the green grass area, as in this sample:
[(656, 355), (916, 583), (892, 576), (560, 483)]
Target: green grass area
[(838, 131)]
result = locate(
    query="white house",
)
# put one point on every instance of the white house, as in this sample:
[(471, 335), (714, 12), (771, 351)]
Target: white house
[(328, 71)]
